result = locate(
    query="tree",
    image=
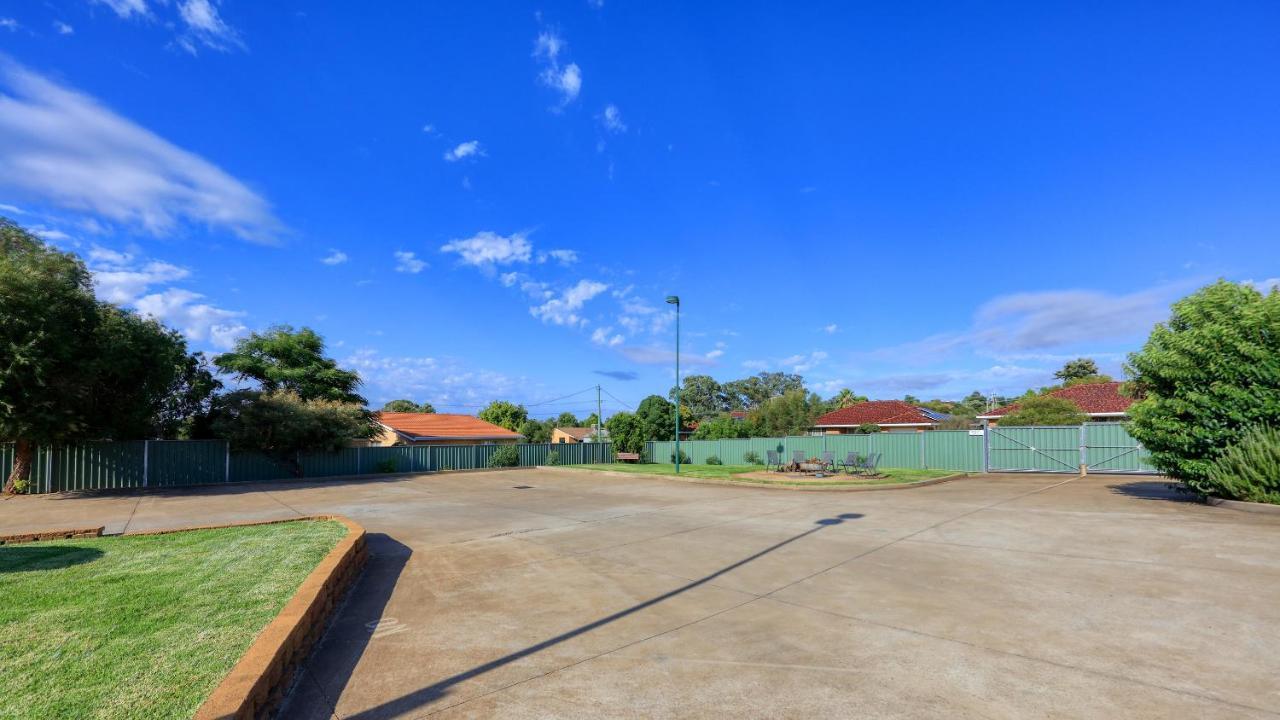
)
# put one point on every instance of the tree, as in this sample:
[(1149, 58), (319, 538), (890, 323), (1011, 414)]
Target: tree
[(791, 413), (1204, 377), (535, 432), (1076, 369), (145, 383), (626, 432), (281, 424), (590, 420), (722, 427), (868, 428), (286, 359), (504, 414), (47, 309), (1044, 410), (408, 406), (657, 418), (567, 419), (752, 392), (702, 396), (845, 398)]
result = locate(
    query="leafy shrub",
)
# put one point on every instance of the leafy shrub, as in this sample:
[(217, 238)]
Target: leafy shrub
[(867, 428), (1044, 410), (1250, 469), (714, 460), (751, 457), (553, 458), (684, 457), (505, 456), (385, 466)]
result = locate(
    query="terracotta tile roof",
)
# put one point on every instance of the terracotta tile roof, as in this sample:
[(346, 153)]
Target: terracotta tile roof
[(578, 433), (443, 425), (1092, 398), (877, 412)]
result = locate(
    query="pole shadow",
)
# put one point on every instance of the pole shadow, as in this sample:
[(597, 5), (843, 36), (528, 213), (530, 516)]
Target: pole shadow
[(418, 698)]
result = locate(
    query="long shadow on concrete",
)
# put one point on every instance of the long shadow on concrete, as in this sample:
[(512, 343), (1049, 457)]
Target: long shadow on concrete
[(435, 691), (1155, 490), (341, 648)]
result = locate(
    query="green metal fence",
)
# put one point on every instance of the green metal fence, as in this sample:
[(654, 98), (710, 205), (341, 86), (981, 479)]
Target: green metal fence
[(179, 463), (1100, 447)]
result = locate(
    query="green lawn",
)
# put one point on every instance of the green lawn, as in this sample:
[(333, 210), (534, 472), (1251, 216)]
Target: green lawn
[(146, 626), (889, 476)]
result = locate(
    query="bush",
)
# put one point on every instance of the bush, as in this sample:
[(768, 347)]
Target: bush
[(751, 457), (684, 457), (714, 460), (553, 458), (1205, 377), (867, 428), (1250, 469), (505, 456), (385, 466), (1044, 410)]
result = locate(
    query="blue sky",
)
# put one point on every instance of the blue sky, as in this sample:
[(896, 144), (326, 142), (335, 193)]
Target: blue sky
[(491, 200)]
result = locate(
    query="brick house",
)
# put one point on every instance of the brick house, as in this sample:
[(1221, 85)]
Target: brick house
[(889, 415), (1102, 402), (440, 429)]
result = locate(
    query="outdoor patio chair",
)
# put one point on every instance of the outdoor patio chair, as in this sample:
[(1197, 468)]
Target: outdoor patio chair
[(871, 463), (829, 460), (772, 460), (797, 457), (851, 462)]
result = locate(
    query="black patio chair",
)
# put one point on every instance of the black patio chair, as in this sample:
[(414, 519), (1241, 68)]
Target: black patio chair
[(851, 462), (772, 460), (872, 462)]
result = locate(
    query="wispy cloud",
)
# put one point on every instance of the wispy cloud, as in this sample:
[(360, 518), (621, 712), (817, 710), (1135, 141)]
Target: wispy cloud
[(611, 118), (564, 308), (441, 381), (408, 262), (204, 27), (564, 78), (65, 148), (471, 148), (653, 355), (335, 257), (831, 329), (606, 337), (126, 8), (8, 23), (486, 249), (800, 363), (564, 257), (63, 28)]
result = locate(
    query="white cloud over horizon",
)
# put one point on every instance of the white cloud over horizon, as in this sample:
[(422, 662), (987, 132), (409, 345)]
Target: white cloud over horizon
[(487, 249), (564, 309)]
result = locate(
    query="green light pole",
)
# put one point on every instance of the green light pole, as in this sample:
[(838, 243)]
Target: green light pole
[(675, 300)]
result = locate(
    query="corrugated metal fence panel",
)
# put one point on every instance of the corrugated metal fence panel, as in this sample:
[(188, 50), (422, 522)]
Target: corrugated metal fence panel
[(94, 465), (532, 454), (1110, 448), (1042, 449), (254, 467), (378, 460), (331, 464), (454, 457), (842, 445), (953, 450), (898, 449), (585, 453), (173, 463)]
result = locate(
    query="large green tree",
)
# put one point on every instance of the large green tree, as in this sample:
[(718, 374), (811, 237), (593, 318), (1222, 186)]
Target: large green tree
[(47, 311), (790, 413), (723, 428), (845, 398), (567, 419), (286, 359), (626, 432), (701, 396), (408, 406), (1205, 377), (281, 423), (504, 414), (657, 417), (536, 432), (1076, 369), (752, 392)]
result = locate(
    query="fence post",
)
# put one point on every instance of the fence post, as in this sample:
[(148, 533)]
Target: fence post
[(146, 462), (924, 458), (986, 447), (1084, 454), (226, 473), (359, 464)]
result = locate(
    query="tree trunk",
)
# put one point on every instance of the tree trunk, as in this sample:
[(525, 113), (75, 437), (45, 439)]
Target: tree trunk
[(21, 472)]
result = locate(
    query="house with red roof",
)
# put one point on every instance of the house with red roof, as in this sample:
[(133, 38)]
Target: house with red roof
[(1102, 402), (889, 415), (440, 429)]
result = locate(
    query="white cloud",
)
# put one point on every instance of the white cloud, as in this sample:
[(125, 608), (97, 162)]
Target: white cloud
[(611, 118), (63, 28), (64, 147), (564, 257), (429, 129), (127, 8), (203, 26), (566, 79), (799, 363), (335, 257), (50, 234), (9, 24), (831, 329), (408, 262), (123, 279), (1263, 286), (12, 209), (471, 148), (606, 337), (441, 381), (486, 249), (651, 355), (509, 279), (714, 354), (563, 310)]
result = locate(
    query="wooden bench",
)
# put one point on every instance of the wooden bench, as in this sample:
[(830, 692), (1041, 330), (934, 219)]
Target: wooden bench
[(628, 457)]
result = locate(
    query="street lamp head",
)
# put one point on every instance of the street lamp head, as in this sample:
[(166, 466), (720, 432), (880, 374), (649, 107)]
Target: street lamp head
[(673, 300)]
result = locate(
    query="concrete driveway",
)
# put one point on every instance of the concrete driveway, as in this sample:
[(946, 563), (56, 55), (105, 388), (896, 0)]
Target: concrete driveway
[(592, 595)]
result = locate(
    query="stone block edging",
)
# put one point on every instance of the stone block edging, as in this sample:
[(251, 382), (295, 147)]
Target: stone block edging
[(69, 534), (1243, 506)]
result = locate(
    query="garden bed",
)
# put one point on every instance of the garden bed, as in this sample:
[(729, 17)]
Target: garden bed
[(147, 625)]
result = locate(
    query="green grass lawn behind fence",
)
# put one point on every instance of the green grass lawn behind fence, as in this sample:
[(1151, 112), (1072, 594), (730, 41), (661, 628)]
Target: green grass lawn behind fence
[(146, 626), (885, 476)]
